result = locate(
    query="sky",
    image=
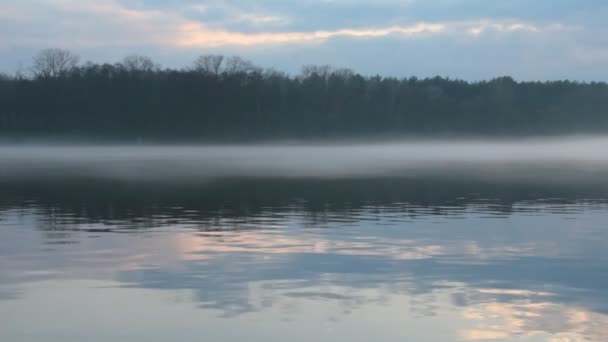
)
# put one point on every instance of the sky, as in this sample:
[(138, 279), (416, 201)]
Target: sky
[(466, 39)]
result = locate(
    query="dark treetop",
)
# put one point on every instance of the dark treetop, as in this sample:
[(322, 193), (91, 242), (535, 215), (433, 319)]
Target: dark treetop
[(231, 99)]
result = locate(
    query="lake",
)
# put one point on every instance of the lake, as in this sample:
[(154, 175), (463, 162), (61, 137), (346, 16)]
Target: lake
[(408, 241)]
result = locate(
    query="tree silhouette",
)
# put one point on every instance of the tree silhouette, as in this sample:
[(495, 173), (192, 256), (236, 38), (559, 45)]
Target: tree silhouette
[(139, 63), (210, 64), (54, 63), (232, 99)]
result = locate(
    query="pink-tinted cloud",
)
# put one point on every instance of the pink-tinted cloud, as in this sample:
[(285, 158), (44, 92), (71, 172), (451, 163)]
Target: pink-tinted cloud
[(109, 23)]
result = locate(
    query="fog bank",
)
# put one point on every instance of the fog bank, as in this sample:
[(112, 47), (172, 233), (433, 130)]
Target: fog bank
[(534, 159)]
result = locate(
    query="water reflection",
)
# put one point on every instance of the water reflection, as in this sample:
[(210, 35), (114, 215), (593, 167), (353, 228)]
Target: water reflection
[(478, 260), (528, 316)]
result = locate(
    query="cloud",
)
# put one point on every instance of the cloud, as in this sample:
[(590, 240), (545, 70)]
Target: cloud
[(485, 26), (262, 19), (195, 34), (221, 14), (447, 37), (115, 24)]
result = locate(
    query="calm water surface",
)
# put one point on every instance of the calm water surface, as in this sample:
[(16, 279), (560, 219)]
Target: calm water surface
[(109, 245)]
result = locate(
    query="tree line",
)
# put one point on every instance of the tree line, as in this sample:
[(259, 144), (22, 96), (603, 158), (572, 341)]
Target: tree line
[(230, 98)]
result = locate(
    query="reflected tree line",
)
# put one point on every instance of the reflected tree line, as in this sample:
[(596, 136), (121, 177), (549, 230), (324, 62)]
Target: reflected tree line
[(221, 97), (245, 202)]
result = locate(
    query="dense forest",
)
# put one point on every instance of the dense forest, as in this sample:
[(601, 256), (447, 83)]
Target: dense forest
[(218, 98)]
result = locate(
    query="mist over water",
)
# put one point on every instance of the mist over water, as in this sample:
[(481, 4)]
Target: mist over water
[(499, 240), (525, 159)]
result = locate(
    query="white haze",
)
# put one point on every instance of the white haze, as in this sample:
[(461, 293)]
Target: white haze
[(534, 159)]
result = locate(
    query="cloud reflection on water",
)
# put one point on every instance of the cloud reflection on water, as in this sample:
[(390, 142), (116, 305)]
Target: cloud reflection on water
[(489, 261)]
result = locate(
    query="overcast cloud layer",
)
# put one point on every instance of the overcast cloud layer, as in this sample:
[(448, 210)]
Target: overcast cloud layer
[(470, 39)]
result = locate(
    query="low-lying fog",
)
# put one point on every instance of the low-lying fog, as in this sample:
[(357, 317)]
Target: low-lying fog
[(535, 159)]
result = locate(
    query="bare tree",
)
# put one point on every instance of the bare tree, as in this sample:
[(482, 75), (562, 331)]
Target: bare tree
[(139, 63), (237, 65), (211, 64), (344, 73), (322, 71), (54, 62)]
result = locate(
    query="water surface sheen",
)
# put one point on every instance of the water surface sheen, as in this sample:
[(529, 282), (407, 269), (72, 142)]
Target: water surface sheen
[(135, 247)]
